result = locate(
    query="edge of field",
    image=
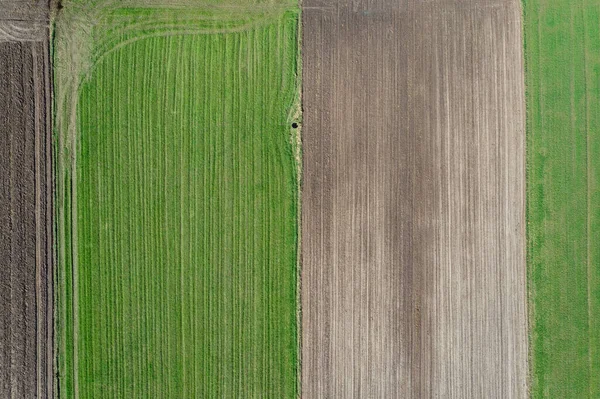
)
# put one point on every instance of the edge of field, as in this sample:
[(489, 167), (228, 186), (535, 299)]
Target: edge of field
[(297, 137), (530, 303)]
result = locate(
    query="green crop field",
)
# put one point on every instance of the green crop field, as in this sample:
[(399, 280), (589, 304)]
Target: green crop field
[(177, 200), (562, 52)]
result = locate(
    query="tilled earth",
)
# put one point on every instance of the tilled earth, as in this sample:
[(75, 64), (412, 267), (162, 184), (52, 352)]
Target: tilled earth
[(413, 259), (25, 200)]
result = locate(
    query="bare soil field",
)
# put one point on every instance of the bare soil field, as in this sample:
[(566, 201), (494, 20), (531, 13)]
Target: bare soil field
[(25, 203), (413, 258)]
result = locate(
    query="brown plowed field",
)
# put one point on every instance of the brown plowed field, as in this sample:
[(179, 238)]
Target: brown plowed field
[(25, 204), (413, 263)]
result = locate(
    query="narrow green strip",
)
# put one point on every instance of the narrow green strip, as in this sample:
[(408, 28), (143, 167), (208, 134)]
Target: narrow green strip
[(562, 52), (177, 198)]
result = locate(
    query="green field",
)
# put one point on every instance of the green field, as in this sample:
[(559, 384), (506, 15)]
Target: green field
[(562, 52), (177, 201)]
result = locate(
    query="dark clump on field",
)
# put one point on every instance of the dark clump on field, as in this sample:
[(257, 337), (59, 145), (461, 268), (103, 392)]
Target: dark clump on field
[(25, 200)]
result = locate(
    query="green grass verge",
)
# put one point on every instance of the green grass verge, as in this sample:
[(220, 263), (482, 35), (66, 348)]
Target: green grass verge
[(562, 52), (177, 187)]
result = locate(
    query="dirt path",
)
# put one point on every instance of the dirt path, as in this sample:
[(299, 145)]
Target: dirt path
[(25, 207), (413, 281)]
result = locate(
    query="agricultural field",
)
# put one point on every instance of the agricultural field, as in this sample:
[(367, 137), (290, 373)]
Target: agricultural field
[(562, 51), (177, 199), (25, 202), (152, 243), (413, 211)]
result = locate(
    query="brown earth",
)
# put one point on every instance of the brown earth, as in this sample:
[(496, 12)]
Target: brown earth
[(25, 204), (413, 259)]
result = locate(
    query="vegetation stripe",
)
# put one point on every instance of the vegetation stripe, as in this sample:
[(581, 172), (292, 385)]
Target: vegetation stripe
[(562, 47)]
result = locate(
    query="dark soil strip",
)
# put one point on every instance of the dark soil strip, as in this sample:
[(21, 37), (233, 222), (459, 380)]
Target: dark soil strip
[(25, 221), (413, 263)]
